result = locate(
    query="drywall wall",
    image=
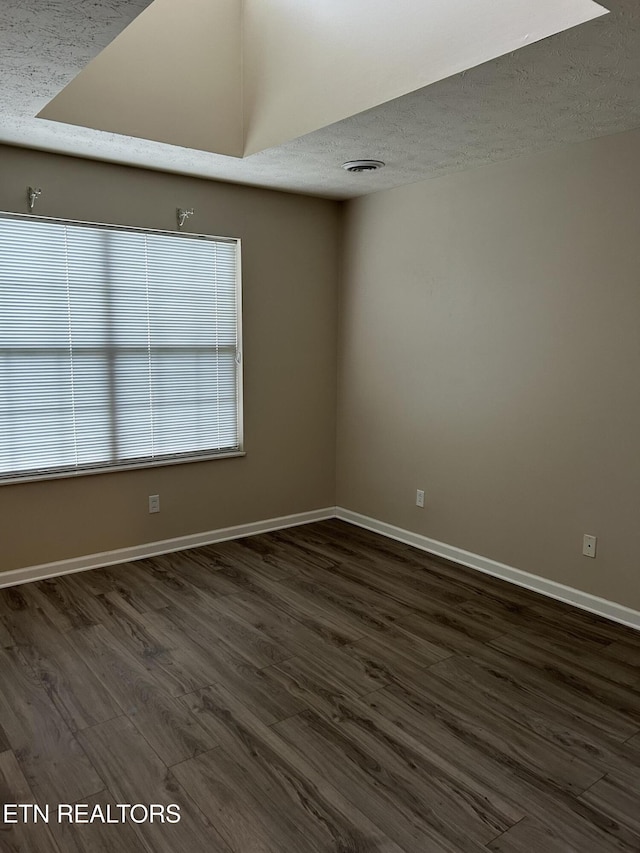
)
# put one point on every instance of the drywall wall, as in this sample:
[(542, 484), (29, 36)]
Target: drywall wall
[(173, 75), (289, 256), (489, 353)]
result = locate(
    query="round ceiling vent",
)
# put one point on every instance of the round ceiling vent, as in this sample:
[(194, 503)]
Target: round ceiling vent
[(362, 165)]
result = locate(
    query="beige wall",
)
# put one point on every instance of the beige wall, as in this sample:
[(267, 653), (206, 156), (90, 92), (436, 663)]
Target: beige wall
[(490, 354), (290, 248), (488, 348)]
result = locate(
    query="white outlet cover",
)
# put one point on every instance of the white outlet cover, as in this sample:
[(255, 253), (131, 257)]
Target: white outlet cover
[(589, 545)]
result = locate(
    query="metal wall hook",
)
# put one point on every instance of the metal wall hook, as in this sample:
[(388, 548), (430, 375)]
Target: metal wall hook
[(183, 215), (32, 195)]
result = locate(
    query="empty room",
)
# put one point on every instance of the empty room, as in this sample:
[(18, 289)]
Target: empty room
[(319, 423)]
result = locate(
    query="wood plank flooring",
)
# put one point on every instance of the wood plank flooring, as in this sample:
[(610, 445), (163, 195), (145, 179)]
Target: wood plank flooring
[(317, 690)]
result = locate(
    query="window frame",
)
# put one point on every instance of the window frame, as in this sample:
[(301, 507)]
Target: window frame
[(138, 464)]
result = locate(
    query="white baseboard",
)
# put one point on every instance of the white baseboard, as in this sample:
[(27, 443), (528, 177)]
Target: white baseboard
[(151, 549), (582, 600), (551, 589)]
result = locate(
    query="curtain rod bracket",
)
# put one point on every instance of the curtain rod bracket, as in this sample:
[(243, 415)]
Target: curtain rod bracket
[(32, 195), (183, 215)]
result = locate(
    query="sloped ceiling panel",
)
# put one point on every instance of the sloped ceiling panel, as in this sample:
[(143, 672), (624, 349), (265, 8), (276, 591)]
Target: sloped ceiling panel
[(174, 75), (45, 43), (310, 63)]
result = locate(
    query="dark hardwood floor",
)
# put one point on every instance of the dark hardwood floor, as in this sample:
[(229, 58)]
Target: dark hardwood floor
[(320, 689)]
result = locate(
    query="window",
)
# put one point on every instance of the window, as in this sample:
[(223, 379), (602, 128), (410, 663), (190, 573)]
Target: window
[(118, 347)]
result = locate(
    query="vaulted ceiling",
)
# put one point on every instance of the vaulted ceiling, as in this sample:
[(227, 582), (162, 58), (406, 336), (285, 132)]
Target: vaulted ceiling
[(559, 75)]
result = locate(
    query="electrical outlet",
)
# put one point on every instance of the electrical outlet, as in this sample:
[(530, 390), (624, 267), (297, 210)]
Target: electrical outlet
[(154, 503), (420, 497), (589, 545)]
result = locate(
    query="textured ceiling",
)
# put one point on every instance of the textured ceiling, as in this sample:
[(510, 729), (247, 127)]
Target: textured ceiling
[(582, 83)]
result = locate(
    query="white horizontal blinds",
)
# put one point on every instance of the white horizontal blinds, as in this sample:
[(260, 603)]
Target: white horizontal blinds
[(193, 345), (115, 346), (36, 394), (108, 319)]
